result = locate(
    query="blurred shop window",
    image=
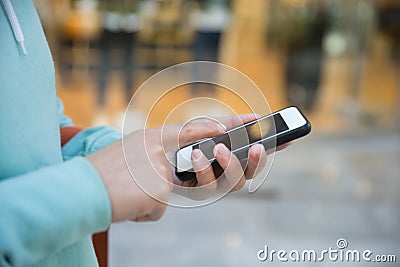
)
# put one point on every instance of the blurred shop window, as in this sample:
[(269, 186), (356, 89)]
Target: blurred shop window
[(166, 36), (53, 16), (80, 28), (120, 24), (299, 28), (389, 24), (209, 20)]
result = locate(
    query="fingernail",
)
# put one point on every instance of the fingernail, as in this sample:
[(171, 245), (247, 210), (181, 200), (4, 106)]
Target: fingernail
[(196, 154), (221, 150)]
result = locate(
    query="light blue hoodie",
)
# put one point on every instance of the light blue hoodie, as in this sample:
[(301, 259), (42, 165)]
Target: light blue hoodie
[(51, 199)]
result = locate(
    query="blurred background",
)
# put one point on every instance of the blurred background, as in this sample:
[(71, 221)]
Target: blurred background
[(338, 60)]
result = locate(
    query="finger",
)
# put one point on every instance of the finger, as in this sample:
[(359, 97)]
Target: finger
[(142, 219), (233, 173), (279, 148), (207, 127), (157, 212), (257, 158), (240, 184), (210, 127), (202, 167), (206, 181), (199, 129), (152, 201)]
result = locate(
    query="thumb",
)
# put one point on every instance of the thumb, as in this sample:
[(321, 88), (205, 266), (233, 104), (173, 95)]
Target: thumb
[(177, 135), (210, 127), (191, 131), (199, 129)]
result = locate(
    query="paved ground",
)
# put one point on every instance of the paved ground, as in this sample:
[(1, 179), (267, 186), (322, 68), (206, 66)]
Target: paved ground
[(319, 190)]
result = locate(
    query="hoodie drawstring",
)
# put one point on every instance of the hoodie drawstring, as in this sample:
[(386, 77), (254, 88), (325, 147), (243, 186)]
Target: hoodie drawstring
[(16, 27)]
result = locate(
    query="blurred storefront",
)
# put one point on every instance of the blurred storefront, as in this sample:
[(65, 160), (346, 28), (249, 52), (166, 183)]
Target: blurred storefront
[(337, 59)]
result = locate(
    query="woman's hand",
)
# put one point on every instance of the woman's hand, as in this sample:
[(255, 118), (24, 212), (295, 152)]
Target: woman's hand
[(142, 155)]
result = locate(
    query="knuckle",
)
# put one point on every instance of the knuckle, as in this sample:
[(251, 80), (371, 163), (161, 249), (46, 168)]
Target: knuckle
[(209, 190), (158, 212), (235, 120), (203, 171), (188, 130), (203, 195)]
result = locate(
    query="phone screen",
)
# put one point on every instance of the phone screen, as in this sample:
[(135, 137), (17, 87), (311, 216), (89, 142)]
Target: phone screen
[(243, 136)]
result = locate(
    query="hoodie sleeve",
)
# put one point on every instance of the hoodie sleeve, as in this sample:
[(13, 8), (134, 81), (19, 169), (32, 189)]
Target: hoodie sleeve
[(88, 140), (36, 219), (85, 202)]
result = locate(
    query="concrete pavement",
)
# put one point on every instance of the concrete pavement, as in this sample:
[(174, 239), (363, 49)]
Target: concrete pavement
[(320, 189)]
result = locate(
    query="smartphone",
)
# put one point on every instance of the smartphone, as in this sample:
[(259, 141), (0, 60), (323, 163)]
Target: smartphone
[(271, 130)]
